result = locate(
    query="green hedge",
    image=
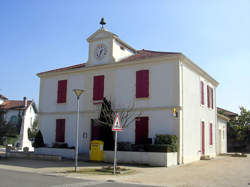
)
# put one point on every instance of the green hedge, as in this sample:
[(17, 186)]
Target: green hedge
[(163, 143)]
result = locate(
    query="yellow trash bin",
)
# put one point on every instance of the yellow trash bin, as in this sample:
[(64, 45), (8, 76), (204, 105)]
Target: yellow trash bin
[(96, 152)]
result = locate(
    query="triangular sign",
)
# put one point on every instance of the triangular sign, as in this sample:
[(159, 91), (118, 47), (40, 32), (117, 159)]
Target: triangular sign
[(117, 126)]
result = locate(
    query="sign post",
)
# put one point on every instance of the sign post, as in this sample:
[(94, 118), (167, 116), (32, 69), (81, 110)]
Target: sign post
[(117, 126)]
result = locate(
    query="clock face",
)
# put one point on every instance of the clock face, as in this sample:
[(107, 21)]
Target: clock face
[(100, 51)]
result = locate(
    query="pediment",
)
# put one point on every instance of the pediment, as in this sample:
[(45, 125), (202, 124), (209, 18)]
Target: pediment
[(101, 33)]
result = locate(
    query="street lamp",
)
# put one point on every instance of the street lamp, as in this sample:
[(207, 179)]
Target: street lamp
[(78, 93)]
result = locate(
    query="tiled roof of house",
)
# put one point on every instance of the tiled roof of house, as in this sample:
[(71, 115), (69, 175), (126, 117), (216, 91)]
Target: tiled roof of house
[(2, 97), (144, 54), (65, 68), (226, 112), (14, 104), (140, 55)]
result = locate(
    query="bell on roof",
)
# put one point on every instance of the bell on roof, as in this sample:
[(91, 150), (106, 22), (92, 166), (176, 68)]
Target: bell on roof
[(102, 22)]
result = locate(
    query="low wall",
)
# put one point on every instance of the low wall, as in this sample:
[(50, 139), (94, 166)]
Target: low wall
[(149, 158), (65, 153), (31, 156)]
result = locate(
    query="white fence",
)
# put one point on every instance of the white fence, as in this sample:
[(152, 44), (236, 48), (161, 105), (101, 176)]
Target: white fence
[(148, 158)]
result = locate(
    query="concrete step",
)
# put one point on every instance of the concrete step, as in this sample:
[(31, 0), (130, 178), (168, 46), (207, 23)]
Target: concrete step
[(205, 157)]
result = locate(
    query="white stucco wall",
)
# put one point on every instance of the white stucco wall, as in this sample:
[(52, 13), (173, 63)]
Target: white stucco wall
[(120, 51), (222, 136), (193, 114), (1, 101), (119, 85)]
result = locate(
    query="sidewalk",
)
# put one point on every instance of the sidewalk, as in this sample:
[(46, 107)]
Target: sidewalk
[(224, 171)]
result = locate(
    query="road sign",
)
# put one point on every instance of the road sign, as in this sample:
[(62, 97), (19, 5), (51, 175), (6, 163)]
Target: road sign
[(117, 126)]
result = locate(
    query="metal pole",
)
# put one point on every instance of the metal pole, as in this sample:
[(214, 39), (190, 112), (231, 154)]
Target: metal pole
[(115, 159), (77, 125)]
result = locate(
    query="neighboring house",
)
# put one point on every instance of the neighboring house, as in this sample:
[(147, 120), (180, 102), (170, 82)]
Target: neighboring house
[(156, 82), (229, 114), (23, 111), (222, 131)]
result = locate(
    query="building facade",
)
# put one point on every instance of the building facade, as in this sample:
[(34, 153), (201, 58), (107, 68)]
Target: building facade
[(154, 82)]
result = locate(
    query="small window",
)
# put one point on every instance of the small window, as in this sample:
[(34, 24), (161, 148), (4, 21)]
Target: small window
[(14, 120)]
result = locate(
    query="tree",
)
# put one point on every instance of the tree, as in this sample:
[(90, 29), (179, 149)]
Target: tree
[(33, 130), (106, 119), (239, 128), (38, 140), (6, 129), (107, 114)]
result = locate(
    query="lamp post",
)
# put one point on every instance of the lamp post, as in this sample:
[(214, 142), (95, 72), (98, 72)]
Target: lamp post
[(78, 93)]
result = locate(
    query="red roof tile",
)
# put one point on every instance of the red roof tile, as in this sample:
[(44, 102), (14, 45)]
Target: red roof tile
[(65, 68), (143, 54), (2, 97), (140, 55), (226, 112), (14, 104)]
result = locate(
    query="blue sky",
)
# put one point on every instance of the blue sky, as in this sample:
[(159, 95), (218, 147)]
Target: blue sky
[(36, 36)]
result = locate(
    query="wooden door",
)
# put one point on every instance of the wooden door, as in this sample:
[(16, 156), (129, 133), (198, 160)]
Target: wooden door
[(141, 130)]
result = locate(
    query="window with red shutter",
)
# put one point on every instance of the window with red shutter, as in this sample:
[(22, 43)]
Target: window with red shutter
[(98, 88), (212, 98), (62, 91), (142, 84), (208, 97), (141, 130), (211, 134), (60, 130), (202, 93)]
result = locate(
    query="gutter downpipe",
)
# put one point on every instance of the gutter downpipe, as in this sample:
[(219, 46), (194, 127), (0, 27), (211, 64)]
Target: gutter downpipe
[(182, 124)]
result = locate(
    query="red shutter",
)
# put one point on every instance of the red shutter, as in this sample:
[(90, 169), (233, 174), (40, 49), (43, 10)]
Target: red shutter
[(62, 91), (142, 84), (211, 134), (202, 138), (60, 130), (202, 93), (212, 98), (208, 97), (98, 88), (141, 130)]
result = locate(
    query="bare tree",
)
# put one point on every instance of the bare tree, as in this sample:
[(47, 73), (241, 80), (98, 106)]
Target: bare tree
[(127, 115)]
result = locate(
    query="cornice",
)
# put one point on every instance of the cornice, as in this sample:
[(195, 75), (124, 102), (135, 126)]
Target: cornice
[(138, 109)]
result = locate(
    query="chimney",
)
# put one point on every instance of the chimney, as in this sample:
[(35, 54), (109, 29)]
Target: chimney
[(25, 103)]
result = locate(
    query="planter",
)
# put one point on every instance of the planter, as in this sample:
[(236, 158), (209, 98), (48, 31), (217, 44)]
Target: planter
[(148, 158), (65, 153)]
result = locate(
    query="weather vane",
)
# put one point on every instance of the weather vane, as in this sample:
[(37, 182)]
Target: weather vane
[(102, 22)]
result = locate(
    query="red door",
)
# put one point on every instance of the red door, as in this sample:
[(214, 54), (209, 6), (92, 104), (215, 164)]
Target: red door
[(141, 130), (95, 130), (202, 138)]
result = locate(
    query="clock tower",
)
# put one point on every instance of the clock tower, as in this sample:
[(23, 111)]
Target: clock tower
[(106, 47)]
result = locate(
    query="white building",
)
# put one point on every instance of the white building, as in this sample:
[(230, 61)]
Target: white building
[(156, 82), (23, 110)]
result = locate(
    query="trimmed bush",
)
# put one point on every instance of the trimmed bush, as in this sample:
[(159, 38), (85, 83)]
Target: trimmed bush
[(38, 140), (60, 145), (165, 139)]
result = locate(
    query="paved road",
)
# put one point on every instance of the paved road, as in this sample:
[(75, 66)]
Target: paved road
[(22, 179)]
